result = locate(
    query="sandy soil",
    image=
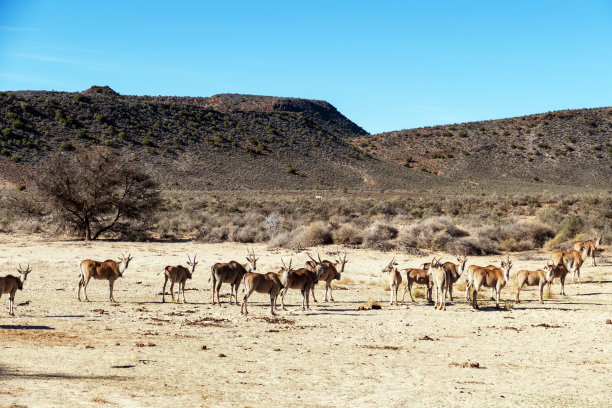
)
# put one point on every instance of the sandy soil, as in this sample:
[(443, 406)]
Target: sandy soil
[(57, 351)]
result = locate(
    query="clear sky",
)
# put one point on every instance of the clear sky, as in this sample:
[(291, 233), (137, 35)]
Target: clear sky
[(387, 65)]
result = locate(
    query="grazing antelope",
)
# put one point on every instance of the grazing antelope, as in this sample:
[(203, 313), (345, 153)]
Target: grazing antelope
[(395, 279), (455, 272), (108, 270), (439, 276), (261, 283), (178, 274), (490, 277), (330, 272), (538, 277), (232, 273), (9, 284), (302, 279), (573, 257), (559, 271), (591, 246), (420, 276)]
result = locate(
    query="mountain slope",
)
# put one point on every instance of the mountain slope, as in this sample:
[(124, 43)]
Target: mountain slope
[(234, 141), (571, 147)]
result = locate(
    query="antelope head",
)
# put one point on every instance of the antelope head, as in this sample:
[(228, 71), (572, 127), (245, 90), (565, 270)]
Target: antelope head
[(123, 263), (24, 273), (462, 259), (252, 260), (341, 261), (389, 268), (506, 265), (549, 270), (192, 263), (315, 266)]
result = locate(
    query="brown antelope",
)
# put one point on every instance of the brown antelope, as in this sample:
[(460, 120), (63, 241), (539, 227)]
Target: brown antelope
[(455, 272), (538, 277), (9, 284), (490, 277), (232, 273), (439, 276), (573, 257), (330, 272), (559, 271), (302, 279), (591, 246), (261, 283), (420, 276), (468, 279), (108, 270), (395, 279), (178, 274)]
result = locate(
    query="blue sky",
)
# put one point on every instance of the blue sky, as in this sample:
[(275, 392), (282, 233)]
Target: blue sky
[(387, 65)]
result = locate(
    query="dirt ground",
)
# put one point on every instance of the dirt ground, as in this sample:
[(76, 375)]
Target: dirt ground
[(58, 351)]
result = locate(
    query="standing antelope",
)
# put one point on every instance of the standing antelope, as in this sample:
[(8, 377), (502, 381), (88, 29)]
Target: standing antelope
[(573, 258), (440, 277), (538, 277), (329, 273), (232, 273), (420, 276), (9, 284), (490, 277), (261, 283), (559, 271), (395, 279), (178, 274), (469, 279), (454, 272), (591, 246), (302, 279), (108, 270)]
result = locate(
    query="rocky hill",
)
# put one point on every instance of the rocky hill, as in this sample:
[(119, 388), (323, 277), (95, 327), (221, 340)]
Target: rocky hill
[(233, 141), (570, 147)]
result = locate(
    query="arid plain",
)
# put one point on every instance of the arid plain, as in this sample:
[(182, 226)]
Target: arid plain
[(57, 351)]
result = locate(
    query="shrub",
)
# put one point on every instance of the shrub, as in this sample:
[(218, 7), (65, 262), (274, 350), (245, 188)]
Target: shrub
[(379, 236), (66, 146), (348, 234)]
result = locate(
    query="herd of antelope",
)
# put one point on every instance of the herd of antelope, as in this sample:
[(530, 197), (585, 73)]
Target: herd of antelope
[(434, 274)]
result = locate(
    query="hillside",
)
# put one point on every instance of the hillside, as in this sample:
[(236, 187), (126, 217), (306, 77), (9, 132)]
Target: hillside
[(571, 147), (231, 141)]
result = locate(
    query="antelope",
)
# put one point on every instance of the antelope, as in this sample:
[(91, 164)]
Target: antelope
[(559, 271), (329, 273), (420, 276), (261, 283), (454, 274), (107, 270), (178, 274), (491, 278), (395, 279), (591, 246), (574, 257), (302, 279), (9, 284), (538, 277), (232, 273), (440, 277), (468, 279)]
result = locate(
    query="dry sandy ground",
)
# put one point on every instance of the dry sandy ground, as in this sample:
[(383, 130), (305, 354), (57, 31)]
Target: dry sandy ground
[(57, 351)]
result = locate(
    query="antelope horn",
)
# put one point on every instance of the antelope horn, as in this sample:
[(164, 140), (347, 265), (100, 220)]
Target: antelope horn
[(311, 257), (319, 256)]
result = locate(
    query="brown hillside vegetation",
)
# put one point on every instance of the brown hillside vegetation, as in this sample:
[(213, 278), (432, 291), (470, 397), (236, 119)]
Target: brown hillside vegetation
[(233, 141), (564, 147)]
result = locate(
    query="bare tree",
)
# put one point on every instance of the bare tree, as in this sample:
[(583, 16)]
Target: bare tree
[(96, 191)]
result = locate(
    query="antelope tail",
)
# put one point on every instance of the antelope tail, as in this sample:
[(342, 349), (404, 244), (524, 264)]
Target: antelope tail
[(212, 271)]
